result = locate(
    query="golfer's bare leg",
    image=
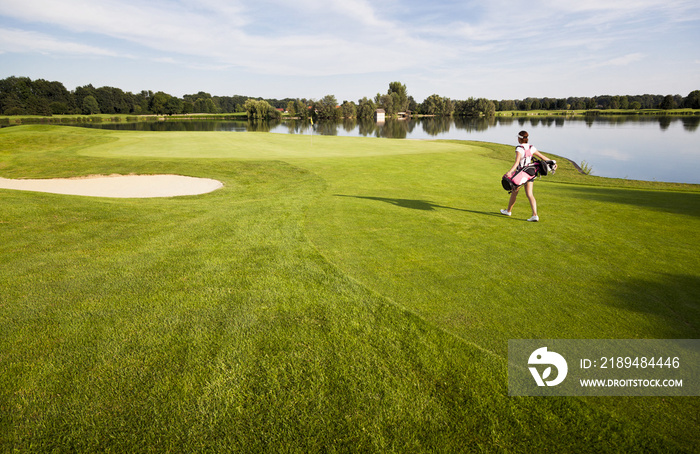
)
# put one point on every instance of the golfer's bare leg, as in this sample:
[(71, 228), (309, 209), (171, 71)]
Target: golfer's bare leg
[(513, 196), (531, 197)]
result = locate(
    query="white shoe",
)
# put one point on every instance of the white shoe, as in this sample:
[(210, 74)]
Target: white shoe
[(505, 212), (534, 219)]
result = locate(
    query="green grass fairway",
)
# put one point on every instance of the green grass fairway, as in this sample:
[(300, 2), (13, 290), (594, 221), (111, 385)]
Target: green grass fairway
[(337, 295)]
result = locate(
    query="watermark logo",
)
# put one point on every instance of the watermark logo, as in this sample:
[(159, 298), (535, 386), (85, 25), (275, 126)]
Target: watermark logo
[(542, 357), (604, 367)]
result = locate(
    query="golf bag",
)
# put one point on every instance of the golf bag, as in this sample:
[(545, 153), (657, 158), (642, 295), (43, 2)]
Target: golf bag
[(547, 167), (527, 173), (522, 176)]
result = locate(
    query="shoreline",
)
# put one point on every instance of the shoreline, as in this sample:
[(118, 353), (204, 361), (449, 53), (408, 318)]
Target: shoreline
[(11, 120)]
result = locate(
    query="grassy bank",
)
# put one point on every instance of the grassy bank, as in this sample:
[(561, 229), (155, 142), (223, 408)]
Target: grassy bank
[(345, 294)]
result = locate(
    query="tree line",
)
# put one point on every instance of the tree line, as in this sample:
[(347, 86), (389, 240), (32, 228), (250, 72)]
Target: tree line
[(605, 102), (23, 96)]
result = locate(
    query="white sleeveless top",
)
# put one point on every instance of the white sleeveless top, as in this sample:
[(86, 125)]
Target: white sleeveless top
[(527, 150)]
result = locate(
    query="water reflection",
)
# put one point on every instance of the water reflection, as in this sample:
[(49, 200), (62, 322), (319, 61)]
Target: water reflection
[(180, 125), (401, 129), (691, 124), (392, 129)]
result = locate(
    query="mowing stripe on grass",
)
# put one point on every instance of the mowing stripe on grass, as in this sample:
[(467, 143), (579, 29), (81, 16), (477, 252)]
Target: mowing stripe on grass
[(324, 299)]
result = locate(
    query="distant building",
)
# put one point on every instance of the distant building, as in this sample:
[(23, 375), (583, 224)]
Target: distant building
[(380, 116)]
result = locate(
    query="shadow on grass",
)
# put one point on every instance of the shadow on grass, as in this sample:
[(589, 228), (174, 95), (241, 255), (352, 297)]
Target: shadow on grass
[(664, 201), (671, 298), (423, 205)]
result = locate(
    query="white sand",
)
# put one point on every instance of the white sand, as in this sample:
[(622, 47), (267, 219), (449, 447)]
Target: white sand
[(122, 186)]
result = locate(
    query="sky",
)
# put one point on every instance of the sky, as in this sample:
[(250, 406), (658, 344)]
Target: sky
[(496, 49)]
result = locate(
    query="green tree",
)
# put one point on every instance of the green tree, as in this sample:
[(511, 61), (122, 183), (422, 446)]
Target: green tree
[(349, 110), (38, 106), (298, 109), (508, 105), (11, 104), (205, 105), (387, 102), (669, 102), (399, 95), (228, 104), (158, 103), (13, 93), (692, 101), (142, 101), (327, 107), (525, 104), (200, 105), (193, 98), (260, 110), (211, 106), (430, 105), (437, 105), (58, 108), (111, 100), (52, 92), (647, 101), (448, 107), (366, 108), (486, 107), (90, 105), (465, 108), (173, 106), (615, 102), (21, 95), (475, 108), (577, 103), (81, 93), (624, 102), (412, 104)]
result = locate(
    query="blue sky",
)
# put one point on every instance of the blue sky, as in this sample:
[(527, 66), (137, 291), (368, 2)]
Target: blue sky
[(497, 49)]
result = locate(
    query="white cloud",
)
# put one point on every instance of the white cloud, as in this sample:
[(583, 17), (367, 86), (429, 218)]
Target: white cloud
[(455, 48), (224, 32), (361, 11), (29, 41), (626, 59)]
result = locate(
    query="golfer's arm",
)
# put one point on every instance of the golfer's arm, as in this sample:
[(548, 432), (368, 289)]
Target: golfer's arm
[(518, 157), (541, 156)]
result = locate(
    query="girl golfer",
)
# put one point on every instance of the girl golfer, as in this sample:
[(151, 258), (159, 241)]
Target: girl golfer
[(523, 155)]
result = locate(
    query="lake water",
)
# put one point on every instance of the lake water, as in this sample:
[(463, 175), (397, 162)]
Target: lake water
[(653, 148)]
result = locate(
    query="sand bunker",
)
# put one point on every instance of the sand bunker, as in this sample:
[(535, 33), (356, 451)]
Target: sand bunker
[(122, 186)]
